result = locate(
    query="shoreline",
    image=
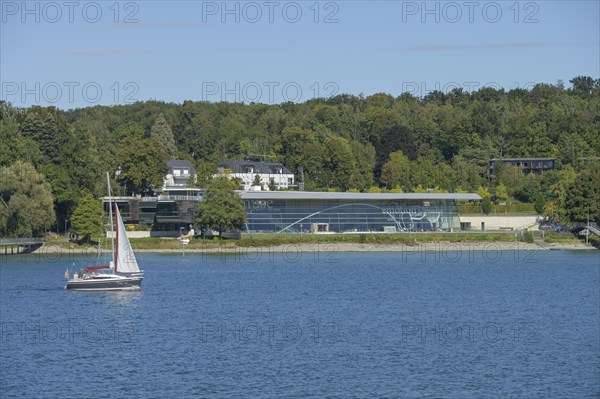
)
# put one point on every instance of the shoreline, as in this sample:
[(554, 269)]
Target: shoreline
[(326, 247)]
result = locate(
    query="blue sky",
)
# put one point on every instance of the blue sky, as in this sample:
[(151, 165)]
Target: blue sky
[(84, 53)]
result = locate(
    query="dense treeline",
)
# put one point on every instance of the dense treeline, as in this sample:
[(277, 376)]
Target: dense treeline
[(440, 142)]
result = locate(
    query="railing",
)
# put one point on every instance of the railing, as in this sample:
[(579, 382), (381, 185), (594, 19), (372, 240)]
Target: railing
[(179, 198), (160, 198), (593, 228), (21, 241)]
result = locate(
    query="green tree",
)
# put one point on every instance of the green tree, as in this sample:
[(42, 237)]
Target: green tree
[(429, 173), (539, 203), (483, 192), (87, 218), (340, 163), (584, 85), (13, 145), (551, 211), (26, 203), (467, 173), (161, 133), (47, 129), (129, 130), (205, 172), (364, 155), (396, 172), (584, 195), (501, 192), (144, 165), (486, 206), (222, 208)]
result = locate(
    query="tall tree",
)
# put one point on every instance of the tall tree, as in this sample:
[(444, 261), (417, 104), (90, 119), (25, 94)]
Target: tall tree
[(144, 165), (222, 208), (583, 195), (161, 133), (87, 218)]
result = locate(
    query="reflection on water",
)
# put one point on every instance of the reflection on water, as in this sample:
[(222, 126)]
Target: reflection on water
[(127, 297)]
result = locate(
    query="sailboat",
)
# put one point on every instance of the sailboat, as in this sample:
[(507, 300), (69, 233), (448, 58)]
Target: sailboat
[(122, 273)]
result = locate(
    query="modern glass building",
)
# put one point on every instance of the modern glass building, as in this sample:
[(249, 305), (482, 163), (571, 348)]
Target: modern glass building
[(322, 212), (303, 211)]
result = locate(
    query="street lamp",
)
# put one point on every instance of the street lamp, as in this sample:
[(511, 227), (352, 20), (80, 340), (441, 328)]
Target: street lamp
[(66, 221)]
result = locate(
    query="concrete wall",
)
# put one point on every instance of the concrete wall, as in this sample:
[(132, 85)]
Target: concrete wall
[(501, 222), (145, 234)]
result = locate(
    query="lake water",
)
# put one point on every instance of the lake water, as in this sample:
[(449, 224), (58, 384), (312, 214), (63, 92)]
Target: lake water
[(482, 325)]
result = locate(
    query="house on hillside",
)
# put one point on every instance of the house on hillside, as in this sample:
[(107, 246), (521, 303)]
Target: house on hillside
[(529, 165), (270, 173), (180, 173)]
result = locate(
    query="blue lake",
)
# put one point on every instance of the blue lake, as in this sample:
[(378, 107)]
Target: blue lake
[(515, 324)]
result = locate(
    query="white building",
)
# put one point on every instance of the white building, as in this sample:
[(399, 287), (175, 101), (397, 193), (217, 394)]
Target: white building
[(181, 173), (269, 173)]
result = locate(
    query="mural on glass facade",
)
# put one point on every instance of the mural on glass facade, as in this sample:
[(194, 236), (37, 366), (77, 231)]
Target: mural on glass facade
[(310, 216)]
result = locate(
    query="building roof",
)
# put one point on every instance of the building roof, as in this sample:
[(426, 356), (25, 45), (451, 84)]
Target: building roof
[(259, 167), (296, 195), (180, 164)]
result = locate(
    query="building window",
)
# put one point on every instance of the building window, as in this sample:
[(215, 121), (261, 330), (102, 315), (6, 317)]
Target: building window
[(186, 172), (176, 172)]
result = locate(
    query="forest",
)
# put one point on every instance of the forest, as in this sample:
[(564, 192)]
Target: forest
[(441, 143)]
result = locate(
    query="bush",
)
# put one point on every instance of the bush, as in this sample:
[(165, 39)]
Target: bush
[(527, 236)]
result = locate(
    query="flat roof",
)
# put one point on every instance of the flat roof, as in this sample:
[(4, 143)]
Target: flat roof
[(320, 195), (296, 195), (523, 159)]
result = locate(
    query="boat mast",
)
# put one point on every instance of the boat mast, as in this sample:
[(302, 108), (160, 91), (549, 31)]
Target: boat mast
[(112, 235)]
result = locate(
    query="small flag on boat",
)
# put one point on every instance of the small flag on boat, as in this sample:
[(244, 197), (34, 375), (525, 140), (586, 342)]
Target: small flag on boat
[(67, 274)]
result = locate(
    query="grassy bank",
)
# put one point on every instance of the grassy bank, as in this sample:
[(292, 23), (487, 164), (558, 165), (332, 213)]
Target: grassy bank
[(260, 240), (268, 240)]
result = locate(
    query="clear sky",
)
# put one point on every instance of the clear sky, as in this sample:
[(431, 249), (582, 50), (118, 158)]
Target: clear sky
[(75, 54)]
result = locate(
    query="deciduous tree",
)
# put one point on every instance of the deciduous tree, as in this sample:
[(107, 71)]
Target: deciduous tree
[(87, 218), (144, 165), (26, 203), (222, 208)]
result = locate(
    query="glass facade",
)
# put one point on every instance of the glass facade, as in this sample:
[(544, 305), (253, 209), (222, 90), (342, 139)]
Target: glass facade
[(345, 216)]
